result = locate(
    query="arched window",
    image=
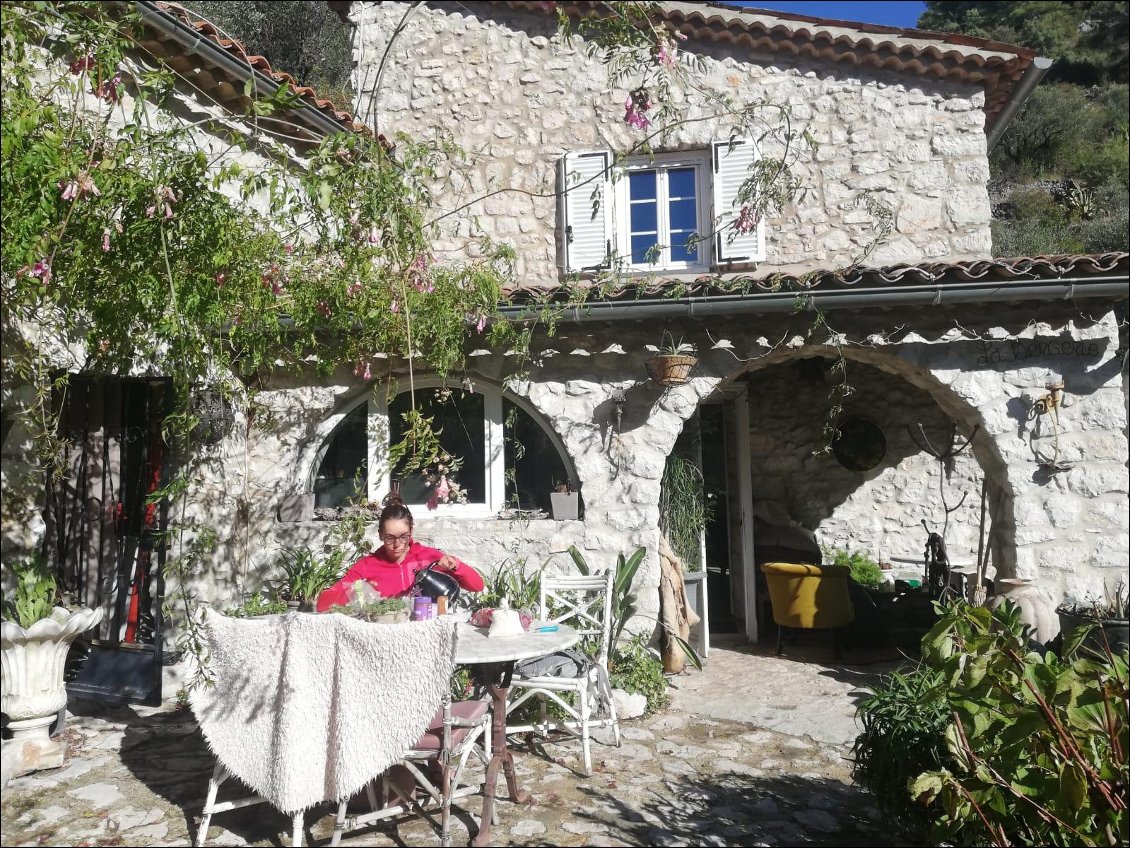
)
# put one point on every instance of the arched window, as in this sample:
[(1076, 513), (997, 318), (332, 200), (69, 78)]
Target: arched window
[(507, 456)]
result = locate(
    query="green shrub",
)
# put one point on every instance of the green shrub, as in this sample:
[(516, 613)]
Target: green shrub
[(1034, 748), (864, 570), (904, 723), (636, 671)]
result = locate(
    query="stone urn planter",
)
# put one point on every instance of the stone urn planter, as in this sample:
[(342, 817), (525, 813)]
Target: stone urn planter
[(32, 691), (1036, 610)]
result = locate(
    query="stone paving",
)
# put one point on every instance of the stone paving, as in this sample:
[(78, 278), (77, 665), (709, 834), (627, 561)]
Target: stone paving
[(752, 751)]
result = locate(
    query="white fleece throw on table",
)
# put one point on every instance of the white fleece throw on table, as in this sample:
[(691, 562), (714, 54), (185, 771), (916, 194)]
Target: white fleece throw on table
[(310, 708)]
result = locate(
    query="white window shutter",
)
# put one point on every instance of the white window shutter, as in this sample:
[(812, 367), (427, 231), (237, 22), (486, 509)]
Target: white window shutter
[(731, 162), (587, 210)]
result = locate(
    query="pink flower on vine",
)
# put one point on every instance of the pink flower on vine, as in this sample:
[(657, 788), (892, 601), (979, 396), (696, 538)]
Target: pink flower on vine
[(442, 488), (81, 185), (108, 91), (219, 278), (83, 64), (746, 221), (394, 307), (42, 270), (480, 324), (354, 289), (433, 503), (288, 249), (635, 108), (363, 370), (418, 275), (667, 52), (324, 309), (374, 235), (106, 241)]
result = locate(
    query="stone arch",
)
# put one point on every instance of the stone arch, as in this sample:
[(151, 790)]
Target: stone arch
[(958, 407)]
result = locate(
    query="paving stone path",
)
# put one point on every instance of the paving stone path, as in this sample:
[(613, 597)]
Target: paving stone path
[(691, 775)]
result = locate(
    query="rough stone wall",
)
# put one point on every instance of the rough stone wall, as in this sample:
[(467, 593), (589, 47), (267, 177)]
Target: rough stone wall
[(877, 512), (1066, 528), (517, 100)]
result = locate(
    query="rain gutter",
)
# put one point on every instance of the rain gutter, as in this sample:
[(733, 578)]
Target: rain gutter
[(1028, 82), (193, 42), (936, 294)]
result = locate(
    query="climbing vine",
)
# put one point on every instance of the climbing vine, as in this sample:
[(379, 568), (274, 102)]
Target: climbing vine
[(144, 238)]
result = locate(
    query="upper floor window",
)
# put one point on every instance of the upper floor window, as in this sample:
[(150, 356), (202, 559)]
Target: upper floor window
[(670, 212), (508, 457)]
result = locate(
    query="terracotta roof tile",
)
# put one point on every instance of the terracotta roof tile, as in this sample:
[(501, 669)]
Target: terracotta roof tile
[(231, 95), (1001, 270)]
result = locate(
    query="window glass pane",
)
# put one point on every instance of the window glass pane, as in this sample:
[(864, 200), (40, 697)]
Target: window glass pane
[(533, 465), (641, 185), (684, 215), (344, 470), (680, 183), (458, 419), (641, 247), (643, 218), (680, 251)]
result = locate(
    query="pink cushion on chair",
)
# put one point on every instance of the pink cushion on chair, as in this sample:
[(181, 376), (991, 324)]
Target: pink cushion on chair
[(467, 711)]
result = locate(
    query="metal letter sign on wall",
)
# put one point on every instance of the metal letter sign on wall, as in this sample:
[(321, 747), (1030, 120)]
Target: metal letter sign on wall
[(106, 538)]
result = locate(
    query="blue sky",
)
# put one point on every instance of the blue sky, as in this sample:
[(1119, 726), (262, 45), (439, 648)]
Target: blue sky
[(888, 13)]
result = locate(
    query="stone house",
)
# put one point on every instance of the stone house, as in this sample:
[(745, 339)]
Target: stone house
[(940, 343)]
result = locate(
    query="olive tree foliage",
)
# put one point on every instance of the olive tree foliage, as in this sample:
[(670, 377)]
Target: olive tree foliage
[(301, 37), (1061, 169)]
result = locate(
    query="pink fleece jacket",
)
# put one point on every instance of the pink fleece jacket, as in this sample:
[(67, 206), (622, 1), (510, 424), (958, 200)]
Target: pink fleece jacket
[(391, 578)]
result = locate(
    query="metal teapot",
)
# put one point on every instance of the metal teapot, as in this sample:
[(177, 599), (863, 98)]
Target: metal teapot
[(434, 583)]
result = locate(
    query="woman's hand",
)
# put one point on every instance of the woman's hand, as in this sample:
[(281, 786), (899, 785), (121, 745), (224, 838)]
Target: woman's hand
[(448, 563)]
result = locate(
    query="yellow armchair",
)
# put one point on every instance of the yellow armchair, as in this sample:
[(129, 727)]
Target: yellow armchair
[(808, 596)]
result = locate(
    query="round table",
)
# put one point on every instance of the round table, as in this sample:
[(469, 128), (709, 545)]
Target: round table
[(494, 658)]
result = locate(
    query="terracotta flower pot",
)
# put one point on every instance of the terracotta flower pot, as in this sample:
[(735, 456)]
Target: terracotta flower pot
[(671, 369)]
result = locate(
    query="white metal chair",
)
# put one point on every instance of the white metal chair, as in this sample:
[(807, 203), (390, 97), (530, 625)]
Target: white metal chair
[(447, 743), (584, 603), (212, 806)]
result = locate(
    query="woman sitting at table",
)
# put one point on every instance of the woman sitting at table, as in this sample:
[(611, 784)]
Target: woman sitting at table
[(392, 568)]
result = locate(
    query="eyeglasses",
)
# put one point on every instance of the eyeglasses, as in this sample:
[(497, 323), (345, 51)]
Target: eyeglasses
[(403, 539)]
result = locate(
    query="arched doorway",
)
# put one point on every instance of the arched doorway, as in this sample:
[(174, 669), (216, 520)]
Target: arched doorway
[(786, 493)]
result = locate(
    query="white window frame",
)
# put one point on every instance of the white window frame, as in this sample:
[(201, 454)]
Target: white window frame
[(379, 478), (699, 160)]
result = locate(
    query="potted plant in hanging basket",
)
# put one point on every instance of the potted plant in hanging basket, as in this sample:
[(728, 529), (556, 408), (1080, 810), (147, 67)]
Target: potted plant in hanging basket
[(1107, 619), (34, 639), (564, 502), (672, 364)]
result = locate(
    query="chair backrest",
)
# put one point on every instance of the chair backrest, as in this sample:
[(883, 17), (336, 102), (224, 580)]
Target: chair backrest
[(805, 595), (584, 602)]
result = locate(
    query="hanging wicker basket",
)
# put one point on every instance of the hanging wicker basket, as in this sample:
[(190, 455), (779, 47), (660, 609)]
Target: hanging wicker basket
[(671, 369)]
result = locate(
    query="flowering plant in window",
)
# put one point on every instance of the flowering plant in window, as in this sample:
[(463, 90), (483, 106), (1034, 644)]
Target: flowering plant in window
[(440, 478)]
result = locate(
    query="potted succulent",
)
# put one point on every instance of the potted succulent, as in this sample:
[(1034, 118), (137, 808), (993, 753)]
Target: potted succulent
[(36, 635), (564, 502), (1107, 619), (672, 364)]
